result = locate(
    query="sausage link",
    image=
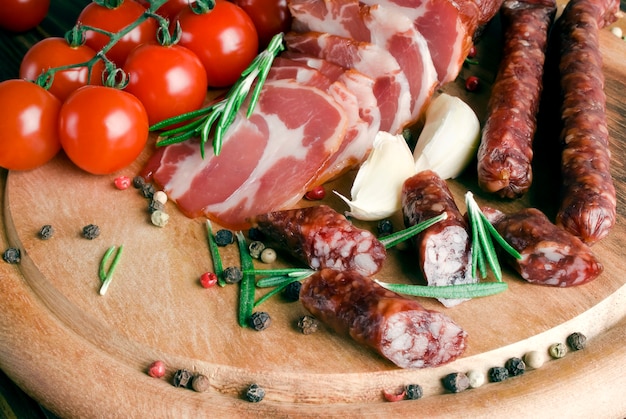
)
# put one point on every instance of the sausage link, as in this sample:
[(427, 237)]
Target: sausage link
[(444, 249), (588, 206), (505, 152), (397, 327), (323, 238)]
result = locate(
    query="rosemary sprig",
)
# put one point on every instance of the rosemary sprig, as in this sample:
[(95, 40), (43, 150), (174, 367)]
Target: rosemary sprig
[(481, 289), (402, 235), (200, 123), (483, 249), (247, 286), (215, 255), (107, 275)]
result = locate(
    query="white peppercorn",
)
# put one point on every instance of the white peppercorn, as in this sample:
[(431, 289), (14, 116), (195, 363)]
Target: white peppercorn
[(534, 359), (268, 255), (476, 378)]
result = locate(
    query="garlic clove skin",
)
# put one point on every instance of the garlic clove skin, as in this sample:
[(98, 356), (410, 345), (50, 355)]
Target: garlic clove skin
[(450, 137), (377, 187)]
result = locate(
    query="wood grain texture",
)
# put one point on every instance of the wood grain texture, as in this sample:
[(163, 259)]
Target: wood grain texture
[(84, 355)]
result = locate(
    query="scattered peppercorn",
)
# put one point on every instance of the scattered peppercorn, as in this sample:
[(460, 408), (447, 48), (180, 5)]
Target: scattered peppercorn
[(268, 255), (147, 190), (254, 393), (308, 324), (156, 369), (455, 382), (472, 52), (200, 383), (515, 367), (208, 279), (384, 227), (224, 237), (255, 248), (292, 291), (394, 396), (316, 194), (91, 231), (534, 359), (139, 182), (182, 378), (576, 341), (259, 320), (155, 205), (497, 374), (476, 378), (12, 255), (159, 218), (122, 182), (160, 196), (413, 392), (557, 350), (46, 232), (472, 83), (232, 275), (255, 234)]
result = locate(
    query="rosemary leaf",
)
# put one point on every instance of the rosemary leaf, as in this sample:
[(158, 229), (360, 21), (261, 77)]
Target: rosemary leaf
[(247, 286), (218, 268), (481, 289), (402, 235), (102, 271), (109, 274), (275, 291), (503, 243), (280, 279)]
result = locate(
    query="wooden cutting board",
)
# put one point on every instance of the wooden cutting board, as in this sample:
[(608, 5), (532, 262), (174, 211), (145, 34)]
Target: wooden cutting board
[(85, 355)]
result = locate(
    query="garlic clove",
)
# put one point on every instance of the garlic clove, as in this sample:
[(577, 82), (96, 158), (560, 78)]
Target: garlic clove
[(449, 139), (378, 184)]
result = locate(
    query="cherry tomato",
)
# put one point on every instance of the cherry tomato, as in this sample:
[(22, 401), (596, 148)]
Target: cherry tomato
[(269, 16), (102, 129), (224, 39), (22, 15), (56, 52), (168, 80), (113, 20), (28, 124)]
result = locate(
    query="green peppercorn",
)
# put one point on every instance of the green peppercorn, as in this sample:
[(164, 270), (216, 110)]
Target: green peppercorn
[(413, 392), (292, 291), (232, 275), (91, 231), (576, 341), (497, 374), (46, 232), (455, 382), (254, 393), (255, 248), (224, 237), (515, 367), (557, 350), (12, 255), (260, 320), (308, 324)]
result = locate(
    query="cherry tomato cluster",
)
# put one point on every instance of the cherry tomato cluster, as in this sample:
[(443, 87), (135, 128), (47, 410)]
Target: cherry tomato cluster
[(123, 67)]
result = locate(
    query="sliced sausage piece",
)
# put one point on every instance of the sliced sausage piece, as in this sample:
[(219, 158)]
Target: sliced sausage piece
[(550, 255), (397, 327), (505, 152), (588, 206), (444, 249), (323, 238)]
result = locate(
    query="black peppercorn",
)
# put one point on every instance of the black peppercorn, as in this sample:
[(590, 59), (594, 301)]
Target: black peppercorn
[(200, 383), (12, 255), (155, 206), (260, 320), (138, 182), (182, 378), (515, 367), (232, 275), (147, 190), (254, 393), (384, 227), (255, 234), (576, 341), (224, 237), (46, 232), (292, 291), (413, 392), (91, 231), (497, 374), (256, 248), (308, 324), (455, 382)]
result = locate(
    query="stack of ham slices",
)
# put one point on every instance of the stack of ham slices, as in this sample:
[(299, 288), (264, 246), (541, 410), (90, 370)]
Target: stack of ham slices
[(350, 69)]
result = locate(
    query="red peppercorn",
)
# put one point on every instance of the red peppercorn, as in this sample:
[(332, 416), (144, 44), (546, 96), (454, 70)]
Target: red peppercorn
[(472, 52), (316, 193), (157, 369), (122, 182), (472, 83), (394, 397), (208, 279)]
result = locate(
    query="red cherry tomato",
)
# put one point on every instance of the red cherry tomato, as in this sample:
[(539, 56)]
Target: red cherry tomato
[(56, 52), (22, 15), (28, 125), (269, 16), (168, 80), (224, 39), (102, 129), (113, 20)]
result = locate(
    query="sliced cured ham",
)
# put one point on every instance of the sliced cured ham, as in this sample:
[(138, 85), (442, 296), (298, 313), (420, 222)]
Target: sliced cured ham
[(391, 86), (267, 161), (383, 26)]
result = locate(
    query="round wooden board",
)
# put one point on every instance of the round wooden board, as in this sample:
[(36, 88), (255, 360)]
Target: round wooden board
[(85, 355)]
